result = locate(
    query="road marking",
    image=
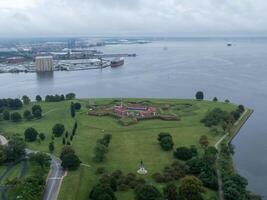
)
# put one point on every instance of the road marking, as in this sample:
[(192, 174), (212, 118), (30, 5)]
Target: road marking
[(55, 178), (53, 183)]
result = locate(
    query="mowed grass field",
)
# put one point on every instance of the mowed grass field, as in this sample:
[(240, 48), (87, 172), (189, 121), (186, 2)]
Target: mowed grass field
[(129, 144)]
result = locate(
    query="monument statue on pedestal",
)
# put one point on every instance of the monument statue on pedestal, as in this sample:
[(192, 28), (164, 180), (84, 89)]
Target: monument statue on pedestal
[(142, 169)]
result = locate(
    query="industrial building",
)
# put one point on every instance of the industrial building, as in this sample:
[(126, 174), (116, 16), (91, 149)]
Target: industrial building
[(44, 63)]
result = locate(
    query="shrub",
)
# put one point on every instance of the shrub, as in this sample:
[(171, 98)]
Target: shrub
[(100, 170), (6, 115), (42, 136), (27, 115), (15, 117)]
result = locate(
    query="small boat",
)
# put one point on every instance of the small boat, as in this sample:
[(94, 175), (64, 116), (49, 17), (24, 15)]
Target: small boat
[(117, 62), (229, 44)]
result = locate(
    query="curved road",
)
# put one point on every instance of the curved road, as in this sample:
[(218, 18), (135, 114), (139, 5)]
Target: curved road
[(54, 178)]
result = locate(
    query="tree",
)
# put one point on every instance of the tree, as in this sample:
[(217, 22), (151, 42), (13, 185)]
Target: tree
[(191, 188), (38, 98), (6, 115), (26, 100), (70, 96), (204, 141), (30, 134), (15, 148), (62, 97), (37, 111), (194, 166), (77, 106), (166, 143), (63, 141), (102, 192), (37, 114), (67, 149), (41, 159), (15, 117), (27, 115), (147, 192), (67, 134), (170, 192), (72, 110), (42, 136), (58, 130), (199, 95), (215, 99), (70, 162), (241, 108), (51, 147)]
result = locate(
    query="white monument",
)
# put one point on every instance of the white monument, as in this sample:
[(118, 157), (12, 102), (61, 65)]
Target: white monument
[(142, 169)]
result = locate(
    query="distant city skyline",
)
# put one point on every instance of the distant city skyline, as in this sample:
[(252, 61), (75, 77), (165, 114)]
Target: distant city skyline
[(68, 18)]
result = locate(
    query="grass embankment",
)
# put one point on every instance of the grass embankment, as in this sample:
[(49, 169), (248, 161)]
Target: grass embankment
[(128, 146)]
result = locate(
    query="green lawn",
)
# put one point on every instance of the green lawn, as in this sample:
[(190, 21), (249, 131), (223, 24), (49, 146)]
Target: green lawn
[(128, 146)]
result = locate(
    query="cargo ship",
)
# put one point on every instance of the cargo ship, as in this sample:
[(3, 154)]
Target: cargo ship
[(117, 62)]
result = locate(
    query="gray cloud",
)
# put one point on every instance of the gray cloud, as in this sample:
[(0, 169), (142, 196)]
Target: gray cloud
[(134, 17)]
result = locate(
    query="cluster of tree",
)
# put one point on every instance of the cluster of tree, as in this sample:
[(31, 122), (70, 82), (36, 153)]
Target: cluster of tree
[(236, 114), (26, 100), (174, 172), (31, 135), (191, 188), (102, 148), (215, 117), (67, 139), (234, 185), (36, 112), (111, 182), (31, 188), (10, 104), (14, 151), (54, 98), (70, 161), (185, 153), (41, 159), (219, 117), (204, 168), (165, 141), (73, 108), (14, 117)]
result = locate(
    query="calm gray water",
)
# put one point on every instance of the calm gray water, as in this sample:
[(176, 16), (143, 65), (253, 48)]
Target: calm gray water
[(238, 73)]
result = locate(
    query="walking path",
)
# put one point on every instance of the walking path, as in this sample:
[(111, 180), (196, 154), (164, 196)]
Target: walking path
[(217, 145)]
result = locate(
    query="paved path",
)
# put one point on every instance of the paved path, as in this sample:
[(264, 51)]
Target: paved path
[(219, 175), (54, 179)]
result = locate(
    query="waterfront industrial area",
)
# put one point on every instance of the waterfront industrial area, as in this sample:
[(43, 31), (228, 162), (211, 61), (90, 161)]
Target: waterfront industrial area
[(67, 55)]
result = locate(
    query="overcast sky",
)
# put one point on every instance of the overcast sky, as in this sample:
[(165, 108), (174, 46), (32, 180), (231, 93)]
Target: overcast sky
[(38, 18)]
